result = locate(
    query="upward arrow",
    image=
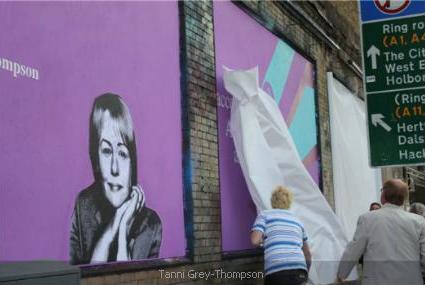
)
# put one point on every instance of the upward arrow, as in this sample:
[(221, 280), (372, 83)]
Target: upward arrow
[(372, 52)]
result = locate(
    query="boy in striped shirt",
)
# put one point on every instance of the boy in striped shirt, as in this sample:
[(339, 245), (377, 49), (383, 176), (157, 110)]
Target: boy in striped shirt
[(287, 256)]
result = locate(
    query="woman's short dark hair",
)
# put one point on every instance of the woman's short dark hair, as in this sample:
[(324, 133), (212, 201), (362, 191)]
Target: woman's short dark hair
[(374, 204), (120, 113)]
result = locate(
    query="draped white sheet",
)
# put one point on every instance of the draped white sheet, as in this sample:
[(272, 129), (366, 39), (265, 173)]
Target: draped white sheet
[(268, 158), (356, 184)]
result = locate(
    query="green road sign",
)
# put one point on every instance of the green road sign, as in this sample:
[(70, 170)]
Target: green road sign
[(397, 127), (394, 80), (394, 53)]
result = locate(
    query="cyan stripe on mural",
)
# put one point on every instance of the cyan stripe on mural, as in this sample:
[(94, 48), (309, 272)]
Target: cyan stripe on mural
[(292, 90), (292, 105), (303, 127), (278, 69)]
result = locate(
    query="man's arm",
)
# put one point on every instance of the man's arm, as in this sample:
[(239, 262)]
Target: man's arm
[(354, 250), (257, 231)]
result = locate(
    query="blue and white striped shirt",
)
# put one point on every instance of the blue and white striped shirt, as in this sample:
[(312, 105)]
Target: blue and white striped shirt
[(284, 235)]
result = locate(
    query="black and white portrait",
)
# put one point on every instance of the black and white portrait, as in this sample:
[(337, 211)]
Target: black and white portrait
[(111, 221)]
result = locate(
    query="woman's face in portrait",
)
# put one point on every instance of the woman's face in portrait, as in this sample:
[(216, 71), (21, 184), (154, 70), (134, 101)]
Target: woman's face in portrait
[(114, 162)]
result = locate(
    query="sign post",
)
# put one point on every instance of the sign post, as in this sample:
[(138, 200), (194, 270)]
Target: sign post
[(393, 45)]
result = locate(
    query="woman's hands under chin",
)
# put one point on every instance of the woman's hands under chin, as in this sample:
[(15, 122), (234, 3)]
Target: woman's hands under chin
[(136, 202), (101, 249), (120, 225)]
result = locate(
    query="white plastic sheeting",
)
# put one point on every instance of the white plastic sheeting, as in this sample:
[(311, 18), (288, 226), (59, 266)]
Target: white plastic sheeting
[(268, 158), (356, 184)]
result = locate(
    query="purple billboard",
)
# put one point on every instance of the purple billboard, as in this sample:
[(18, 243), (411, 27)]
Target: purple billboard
[(288, 77), (90, 134)]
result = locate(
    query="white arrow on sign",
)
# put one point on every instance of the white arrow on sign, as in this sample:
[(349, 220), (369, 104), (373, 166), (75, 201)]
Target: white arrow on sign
[(372, 52), (377, 120)]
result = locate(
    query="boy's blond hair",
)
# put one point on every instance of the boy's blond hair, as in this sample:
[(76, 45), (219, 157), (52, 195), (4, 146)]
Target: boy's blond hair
[(281, 198)]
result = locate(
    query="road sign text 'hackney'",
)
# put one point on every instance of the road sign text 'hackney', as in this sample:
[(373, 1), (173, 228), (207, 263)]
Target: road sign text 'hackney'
[(393, 45)]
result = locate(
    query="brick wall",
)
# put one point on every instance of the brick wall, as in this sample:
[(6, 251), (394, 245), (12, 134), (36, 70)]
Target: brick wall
[(200, 142), (201, 105)]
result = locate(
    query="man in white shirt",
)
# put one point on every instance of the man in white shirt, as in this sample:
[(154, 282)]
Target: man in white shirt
[(391, 240)]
